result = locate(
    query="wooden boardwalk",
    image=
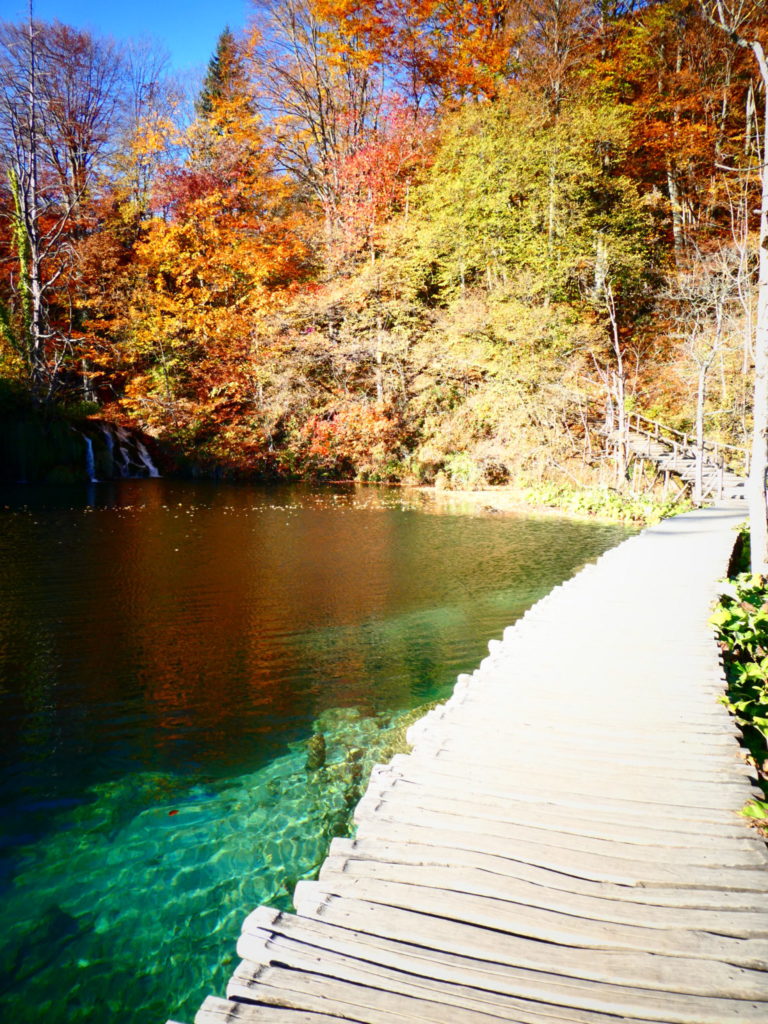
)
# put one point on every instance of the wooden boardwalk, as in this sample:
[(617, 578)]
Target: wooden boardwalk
[(562, 846), (673, 452)]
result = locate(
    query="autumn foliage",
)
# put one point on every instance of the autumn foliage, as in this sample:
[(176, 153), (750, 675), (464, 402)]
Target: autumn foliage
[(386, 240)]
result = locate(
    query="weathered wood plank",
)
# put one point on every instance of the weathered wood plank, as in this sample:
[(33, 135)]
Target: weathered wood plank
[(501, 787), (426, 827), (546, 987), (628, 758), (555, 792), (413, 853), (644, 970), (371, 995), (415, 808), (299, 955), (544, 924), (225, 1011), (474, 881), (559, 819)]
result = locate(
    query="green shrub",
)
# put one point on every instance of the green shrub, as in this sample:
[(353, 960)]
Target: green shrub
[(741, 624), (605, 503)]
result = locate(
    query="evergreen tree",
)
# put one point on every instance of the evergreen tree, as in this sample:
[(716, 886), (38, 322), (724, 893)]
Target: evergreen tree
[(226, 78)]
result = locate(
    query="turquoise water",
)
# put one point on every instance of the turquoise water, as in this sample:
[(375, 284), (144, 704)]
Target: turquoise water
[(166, 650)]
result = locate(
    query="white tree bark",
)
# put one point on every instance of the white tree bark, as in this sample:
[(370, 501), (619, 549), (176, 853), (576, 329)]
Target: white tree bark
[(730, 17)]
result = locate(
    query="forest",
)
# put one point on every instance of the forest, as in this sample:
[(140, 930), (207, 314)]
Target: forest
[(422, 241)]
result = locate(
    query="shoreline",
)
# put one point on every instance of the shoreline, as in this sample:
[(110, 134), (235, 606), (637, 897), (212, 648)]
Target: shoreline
[(600, 505)]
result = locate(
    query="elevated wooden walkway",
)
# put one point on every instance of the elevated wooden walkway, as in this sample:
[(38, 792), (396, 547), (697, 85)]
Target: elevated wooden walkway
[(672, 451), (562, 846)]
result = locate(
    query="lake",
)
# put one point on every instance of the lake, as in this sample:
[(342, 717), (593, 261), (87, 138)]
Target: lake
[(166, 650)]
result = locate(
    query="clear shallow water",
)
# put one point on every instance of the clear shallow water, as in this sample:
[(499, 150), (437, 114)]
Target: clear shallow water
[(166, 648)]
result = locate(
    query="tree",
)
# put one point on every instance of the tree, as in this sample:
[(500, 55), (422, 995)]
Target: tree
[(703, 299), (741, 23), (685, 87), (553, 40), (435, 51), (149, 129), (223, 78), (58, 93), (80, 94), (228, 246), (319, 98), (373, 182), (515, 193)]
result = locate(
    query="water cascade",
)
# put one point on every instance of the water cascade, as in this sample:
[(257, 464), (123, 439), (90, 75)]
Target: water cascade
[(116, 452), (90, 461), (146, 459), (109, 441), (132, 459)]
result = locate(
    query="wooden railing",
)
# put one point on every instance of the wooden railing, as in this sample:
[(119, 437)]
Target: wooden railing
[(685, 444)]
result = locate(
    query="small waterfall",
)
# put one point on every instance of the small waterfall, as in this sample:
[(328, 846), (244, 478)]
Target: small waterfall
[(146, 459), (109, 441), (123, 463), (133, 457), (90, 461)]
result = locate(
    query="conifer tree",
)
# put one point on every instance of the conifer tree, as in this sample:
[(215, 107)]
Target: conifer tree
[(226, 78)]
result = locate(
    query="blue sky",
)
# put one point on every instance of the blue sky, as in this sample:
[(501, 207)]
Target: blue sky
[(188, 28)]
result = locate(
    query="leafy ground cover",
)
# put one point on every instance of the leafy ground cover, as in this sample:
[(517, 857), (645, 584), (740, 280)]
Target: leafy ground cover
[(607, 503), (741, 623)]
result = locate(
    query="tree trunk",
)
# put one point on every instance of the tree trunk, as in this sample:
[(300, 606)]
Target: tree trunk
[(701, 394), (621, 447), (758, 513), (676, 208), (730, 20), (31, 218)]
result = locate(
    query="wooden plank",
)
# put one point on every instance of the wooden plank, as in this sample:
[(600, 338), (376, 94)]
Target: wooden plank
[(426, 826), (527, 747), (598, 733), (697, 704), (499, 787), (224, 1011), (676, 763), (462, 716), (686, 976), (298, 955), (546, 987), (374, 994), (559, 819), (474, 771), (488, 740), (303, 990), (412, 853), (395, 805), (652, 733), (501, 782), (543, 924), (475, 881)]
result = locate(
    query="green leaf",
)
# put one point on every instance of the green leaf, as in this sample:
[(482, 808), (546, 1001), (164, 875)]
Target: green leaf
[(757, 809)]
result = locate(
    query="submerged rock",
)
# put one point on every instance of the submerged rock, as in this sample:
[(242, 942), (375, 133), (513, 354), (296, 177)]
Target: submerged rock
[(315, 752)]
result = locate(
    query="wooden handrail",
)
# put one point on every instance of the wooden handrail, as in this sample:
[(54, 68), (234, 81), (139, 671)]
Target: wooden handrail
[(717, 448), (642, 423)]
